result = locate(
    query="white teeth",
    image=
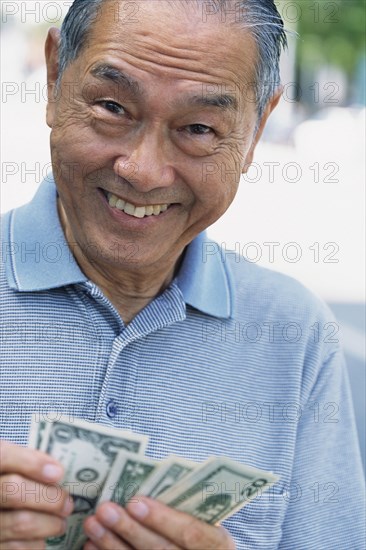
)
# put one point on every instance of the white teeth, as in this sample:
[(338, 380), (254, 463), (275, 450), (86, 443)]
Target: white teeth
[(129, 209), (136, 211), (140, 212), (120, 204), (112, 199)]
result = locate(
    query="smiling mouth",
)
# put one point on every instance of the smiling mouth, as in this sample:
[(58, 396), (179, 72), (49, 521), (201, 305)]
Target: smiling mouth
[(134, 210)]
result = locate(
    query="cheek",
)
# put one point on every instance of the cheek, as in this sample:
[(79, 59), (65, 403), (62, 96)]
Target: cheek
[(220, 176), (73, 133), (75, 155), (213, 198)]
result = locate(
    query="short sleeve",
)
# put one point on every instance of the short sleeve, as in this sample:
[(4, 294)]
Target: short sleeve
[(326, 506)]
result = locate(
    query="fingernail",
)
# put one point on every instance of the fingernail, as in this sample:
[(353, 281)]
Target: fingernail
[(95, 529), (110, 515), (52, 472), (138, 509)]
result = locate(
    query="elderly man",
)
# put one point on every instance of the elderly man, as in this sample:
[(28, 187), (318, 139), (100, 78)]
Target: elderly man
[(118, 309)]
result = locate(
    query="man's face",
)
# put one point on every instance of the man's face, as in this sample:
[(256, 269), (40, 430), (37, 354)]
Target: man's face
[(138, 119)]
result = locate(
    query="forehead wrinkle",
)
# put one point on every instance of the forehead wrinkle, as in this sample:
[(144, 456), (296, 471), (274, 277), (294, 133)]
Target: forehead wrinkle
[(159, 51), (171, 37), (156, 57)]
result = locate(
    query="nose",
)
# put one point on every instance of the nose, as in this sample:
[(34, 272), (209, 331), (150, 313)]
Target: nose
[(147, 167)]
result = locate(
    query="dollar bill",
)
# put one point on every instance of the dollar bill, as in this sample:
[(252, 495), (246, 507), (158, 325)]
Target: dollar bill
[(218, 489), (103, 463), (87, 451), (37, 430), (172, 470), (127, 476)]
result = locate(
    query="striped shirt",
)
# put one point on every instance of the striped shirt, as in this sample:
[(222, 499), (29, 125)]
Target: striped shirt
[(231, 359)]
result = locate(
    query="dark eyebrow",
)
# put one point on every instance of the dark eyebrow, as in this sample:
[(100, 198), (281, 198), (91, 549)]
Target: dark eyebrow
[(223, 101), (104, 71)]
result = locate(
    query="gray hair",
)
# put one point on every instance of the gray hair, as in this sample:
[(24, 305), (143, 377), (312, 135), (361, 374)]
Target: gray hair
[(260, 16)]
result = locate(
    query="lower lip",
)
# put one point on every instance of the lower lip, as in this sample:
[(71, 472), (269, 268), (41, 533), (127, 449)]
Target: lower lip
[(124, 218)]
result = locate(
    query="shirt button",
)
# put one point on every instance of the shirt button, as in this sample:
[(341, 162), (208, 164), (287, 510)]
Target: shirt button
[(111, 408)]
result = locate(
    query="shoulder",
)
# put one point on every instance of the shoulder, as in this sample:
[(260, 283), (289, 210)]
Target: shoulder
[(266, 296), (272, 293), (295, 325)]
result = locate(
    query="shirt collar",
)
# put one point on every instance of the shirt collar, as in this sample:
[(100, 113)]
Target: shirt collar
[(39, 258), (205, 278)]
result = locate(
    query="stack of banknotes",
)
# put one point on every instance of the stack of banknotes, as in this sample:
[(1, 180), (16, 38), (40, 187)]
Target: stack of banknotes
[(103, 463)]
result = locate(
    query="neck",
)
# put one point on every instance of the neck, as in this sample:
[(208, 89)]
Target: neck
[(128, 290)]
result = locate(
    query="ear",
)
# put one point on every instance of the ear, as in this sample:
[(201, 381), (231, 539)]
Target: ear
[(272, 103), (51, 52)]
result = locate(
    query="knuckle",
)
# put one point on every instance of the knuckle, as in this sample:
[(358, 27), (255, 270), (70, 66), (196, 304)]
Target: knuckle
[(24, 526), (10, 489), (22, 523), (17, 479), (127, 525), (193, 534), (53, 497)]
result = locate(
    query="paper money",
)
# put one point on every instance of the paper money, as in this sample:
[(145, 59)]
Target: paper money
[(37, 430), (87, 452), (172, 470), (217, 489), (127, 476), (103, 463)]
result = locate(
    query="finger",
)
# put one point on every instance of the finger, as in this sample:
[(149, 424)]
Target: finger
[(117, 520), (30, 463), (20, 493), (184, 530), (102, 537), (24, 524), (90, 546), (23, 545)]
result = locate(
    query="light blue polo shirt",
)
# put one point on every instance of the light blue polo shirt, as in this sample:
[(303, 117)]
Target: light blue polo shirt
[(231, 359)]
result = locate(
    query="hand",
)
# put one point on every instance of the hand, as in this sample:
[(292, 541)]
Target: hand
[(150, 525), (32, 506)]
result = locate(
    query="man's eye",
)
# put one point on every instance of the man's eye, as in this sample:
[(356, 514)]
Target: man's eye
[(199, 129), (112, 107)]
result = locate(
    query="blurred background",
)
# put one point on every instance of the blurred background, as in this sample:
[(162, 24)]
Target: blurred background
[(300, 209)]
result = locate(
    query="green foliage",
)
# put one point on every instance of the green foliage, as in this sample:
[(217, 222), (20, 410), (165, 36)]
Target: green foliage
[(330, 32)]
